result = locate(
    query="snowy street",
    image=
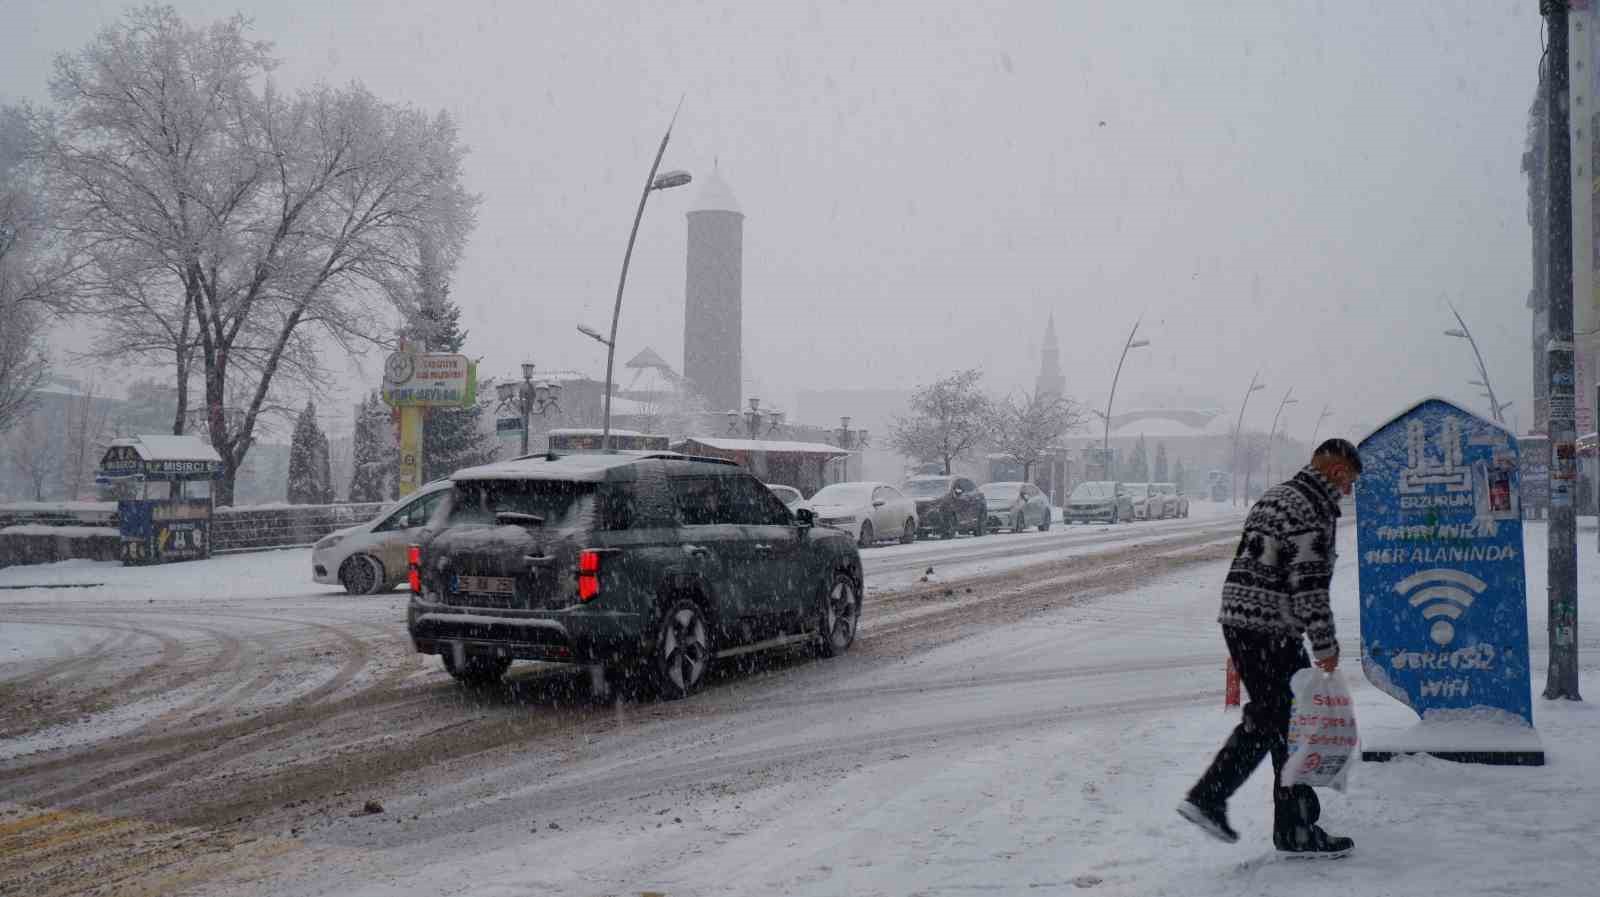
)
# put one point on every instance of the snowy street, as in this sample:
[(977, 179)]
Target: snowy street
[(1021, 725)]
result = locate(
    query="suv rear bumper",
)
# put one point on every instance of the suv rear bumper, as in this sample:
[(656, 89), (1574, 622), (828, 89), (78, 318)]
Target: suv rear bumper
[(563, 636)]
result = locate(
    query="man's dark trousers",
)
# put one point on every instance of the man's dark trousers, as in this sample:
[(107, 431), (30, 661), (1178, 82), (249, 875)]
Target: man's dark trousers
[(1266, 662)]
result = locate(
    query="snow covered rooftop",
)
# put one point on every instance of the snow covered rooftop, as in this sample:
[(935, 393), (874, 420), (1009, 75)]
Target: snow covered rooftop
[(170, 448), (768, 445), (580, 466), (648, 359)]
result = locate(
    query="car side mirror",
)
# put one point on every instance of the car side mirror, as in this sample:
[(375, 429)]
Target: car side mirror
[(878, 503), (805, 517), (958, 490)]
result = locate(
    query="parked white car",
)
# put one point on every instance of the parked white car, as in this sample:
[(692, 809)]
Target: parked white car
[(1177, 502), (371, 557), (1148, 503), (871, 511), (789, 495)]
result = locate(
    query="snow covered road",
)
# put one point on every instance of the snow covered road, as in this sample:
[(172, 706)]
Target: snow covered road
[(1005, 727)]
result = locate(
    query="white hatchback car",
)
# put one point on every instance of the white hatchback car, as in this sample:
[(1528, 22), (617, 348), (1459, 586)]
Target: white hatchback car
[(371, 557)]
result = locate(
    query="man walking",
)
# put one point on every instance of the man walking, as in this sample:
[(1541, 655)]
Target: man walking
[(1276, 594)]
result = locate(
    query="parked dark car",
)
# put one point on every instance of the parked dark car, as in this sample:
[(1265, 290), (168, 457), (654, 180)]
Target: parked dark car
[(947, 505), (1016, 506), (633, 561)]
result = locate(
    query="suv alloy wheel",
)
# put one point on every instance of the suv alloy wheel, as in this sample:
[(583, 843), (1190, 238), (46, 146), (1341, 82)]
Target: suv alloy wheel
[(682, 652), (841, 612)]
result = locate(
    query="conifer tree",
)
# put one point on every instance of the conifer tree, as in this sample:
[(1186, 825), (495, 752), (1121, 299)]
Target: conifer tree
[(375, 453), (452, 438), (310, 479), (1138, 464)]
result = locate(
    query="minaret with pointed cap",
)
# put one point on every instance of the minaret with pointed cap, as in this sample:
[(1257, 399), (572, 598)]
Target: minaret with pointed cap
[(1051, 382), (713, 319)]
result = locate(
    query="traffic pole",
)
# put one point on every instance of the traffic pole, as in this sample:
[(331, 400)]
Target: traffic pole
[(1562, 677)]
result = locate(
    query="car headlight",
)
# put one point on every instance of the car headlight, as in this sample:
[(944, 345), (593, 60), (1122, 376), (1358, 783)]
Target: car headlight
[(327, 542)]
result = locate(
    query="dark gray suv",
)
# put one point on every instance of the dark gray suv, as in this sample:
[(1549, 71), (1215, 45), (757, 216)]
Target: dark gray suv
[(625, 561)]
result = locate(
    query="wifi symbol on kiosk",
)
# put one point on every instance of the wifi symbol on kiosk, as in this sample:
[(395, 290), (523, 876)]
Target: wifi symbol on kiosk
[(1443, 596)]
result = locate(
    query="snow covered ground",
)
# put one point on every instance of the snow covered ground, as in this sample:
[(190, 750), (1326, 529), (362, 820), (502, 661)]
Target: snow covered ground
[(1044, 757)]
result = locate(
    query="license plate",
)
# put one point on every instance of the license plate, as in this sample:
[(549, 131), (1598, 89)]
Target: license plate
[(493, 585)]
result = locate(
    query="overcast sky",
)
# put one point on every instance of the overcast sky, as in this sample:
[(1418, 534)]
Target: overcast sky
[(1294, 187)]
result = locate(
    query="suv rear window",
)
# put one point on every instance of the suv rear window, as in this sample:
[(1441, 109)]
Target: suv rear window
[(559, 502)]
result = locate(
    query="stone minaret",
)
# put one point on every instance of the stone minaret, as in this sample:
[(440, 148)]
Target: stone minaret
[(713, 318)]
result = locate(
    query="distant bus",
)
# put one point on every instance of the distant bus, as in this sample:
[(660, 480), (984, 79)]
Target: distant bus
[(592, 441)]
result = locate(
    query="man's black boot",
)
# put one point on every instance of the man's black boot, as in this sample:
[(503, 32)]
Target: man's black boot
[(1213, 820), (1294, 830)]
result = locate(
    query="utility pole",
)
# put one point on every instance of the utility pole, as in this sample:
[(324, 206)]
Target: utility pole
[(1562, 678)]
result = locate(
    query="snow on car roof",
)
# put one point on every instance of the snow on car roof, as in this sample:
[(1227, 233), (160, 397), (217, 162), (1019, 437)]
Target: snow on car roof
[(584, 466)]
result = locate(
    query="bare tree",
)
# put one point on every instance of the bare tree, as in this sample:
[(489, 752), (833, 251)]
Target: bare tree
[(26, 287), (234, 228), (1026, 429), (948, 418), (34, 452), (88, 418)]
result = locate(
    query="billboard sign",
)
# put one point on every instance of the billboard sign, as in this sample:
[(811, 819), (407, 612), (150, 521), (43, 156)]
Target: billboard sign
[(423, 380), (1444, 607)]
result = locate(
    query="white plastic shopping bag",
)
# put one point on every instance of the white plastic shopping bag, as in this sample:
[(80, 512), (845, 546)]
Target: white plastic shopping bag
[(1322, 731)]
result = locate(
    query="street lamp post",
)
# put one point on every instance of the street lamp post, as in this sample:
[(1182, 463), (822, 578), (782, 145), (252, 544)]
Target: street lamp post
[(1272, 434), (665, 181), (752, 420), (1495, 408), (528, 398), (1233, 473), (1105, 445), (849, 440)]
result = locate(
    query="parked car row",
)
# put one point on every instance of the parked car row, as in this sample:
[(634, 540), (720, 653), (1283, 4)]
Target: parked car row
[(1113, 502)]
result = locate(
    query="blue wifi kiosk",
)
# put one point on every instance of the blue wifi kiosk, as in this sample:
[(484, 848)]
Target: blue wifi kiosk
[(1444, 604)]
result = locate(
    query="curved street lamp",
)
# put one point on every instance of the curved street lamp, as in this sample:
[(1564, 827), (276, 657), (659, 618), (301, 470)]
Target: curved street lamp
[(1105, 445), (1327, 411), (1233, 473), (1495, 408), (665, 181), (1272, 434)]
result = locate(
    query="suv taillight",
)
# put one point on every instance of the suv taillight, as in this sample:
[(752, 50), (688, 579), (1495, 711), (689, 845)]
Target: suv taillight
[(588, 574), (414, 568)]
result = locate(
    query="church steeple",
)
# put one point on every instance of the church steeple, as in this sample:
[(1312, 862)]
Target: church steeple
[(1051, 382)]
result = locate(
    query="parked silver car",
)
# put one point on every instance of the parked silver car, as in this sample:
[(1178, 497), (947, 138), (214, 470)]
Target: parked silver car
[(1016, 506), (1098, 500)]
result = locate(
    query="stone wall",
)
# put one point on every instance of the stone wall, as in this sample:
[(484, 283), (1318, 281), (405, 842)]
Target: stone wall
[(38, 533), (243, 529), (43, 544)]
